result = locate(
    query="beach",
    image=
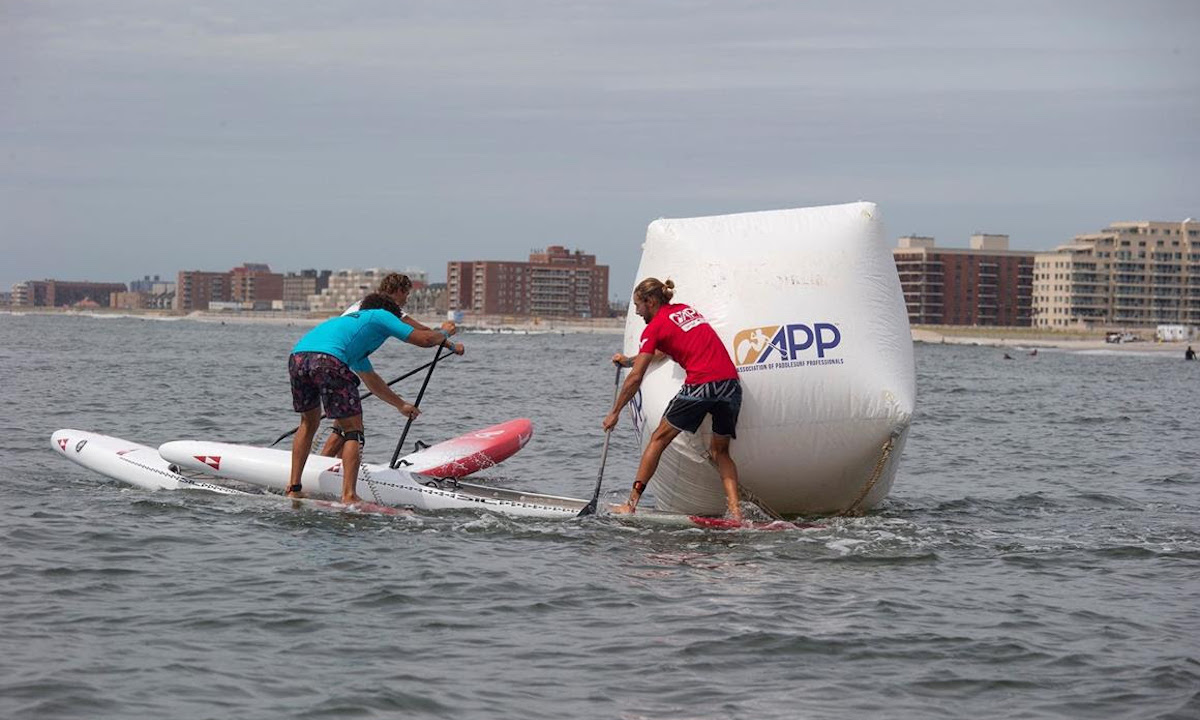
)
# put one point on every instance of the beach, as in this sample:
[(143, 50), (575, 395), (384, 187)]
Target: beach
[(1030, 339)]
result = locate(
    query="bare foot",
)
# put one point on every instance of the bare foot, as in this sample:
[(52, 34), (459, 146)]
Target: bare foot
[(296, 495), (352, 500), (623, 509)]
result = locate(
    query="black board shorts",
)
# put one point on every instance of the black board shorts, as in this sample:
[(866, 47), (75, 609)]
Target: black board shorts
[(722, 399), (319, 379)]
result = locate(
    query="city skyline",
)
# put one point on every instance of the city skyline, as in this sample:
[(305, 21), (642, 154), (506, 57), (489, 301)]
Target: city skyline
[(140, 138), (433, 278)]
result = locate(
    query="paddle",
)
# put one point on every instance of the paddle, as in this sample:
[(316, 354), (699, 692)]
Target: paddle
[(590, 508), (364, 396), (396, 455)]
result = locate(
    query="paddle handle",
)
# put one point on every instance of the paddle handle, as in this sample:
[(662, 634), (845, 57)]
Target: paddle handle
[(396, 455)]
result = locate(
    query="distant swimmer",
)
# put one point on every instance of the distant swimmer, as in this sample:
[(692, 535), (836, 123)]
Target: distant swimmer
[(1007, 356), (711, 386), (325, 367), (1190, 354), (1033, 353), (397, 287)]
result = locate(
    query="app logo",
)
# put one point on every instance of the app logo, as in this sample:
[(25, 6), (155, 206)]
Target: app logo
[(687, 318), (785, 346)]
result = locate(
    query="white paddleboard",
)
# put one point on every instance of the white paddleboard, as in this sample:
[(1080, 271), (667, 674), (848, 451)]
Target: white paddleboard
[(137, 465), (377, 484)]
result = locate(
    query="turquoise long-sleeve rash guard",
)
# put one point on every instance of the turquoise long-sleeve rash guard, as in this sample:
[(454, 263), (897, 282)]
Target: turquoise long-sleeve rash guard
[(351, 338)]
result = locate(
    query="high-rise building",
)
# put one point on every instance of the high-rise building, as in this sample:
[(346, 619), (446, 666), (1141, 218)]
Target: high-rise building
[(985, 284), (488, 287), (553, 283), (1140, 273), (254, 285), (195, 289)]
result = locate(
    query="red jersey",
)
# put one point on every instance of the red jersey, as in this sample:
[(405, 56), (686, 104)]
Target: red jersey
[(682, 332)]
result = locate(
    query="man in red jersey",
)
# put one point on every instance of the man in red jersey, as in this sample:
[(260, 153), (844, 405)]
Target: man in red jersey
[(710, 388)]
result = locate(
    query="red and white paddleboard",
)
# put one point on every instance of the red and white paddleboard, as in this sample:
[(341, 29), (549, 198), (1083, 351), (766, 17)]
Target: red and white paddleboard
[(715, 523), (471, 452)]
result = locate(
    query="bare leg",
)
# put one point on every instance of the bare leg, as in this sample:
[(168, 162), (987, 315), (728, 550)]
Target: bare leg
[(309, 422), (729, 474), (662, 437), (333, 443), (351, 456)]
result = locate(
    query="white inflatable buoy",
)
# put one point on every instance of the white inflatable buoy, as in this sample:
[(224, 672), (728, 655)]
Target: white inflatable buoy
[(809, 306)]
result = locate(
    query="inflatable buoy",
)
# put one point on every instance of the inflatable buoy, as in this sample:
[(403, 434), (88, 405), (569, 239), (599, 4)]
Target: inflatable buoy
[(809, 306)]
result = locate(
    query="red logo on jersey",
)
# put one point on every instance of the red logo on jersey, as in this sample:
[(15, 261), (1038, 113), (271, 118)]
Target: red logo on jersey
[(686, 318)]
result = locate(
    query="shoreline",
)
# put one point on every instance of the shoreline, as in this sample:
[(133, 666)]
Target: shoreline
[(996, 337), (1027, 339), (482, 324)]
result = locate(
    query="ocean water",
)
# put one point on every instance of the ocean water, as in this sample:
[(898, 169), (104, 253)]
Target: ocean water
[(1039, 556)]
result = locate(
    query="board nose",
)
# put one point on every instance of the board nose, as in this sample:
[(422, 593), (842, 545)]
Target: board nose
[(61, 439)]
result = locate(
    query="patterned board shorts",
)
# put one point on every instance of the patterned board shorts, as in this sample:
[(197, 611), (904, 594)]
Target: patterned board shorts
[(721, 399), (319, 379)]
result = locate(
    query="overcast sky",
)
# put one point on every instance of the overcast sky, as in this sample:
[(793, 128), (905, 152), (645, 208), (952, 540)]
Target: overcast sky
[(148, 136)]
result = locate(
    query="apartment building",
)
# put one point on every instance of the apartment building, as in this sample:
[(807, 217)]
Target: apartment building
[(346, 287), (983, 284), (63, 293), (554, 282), (254, 285), (488, 287), (298, 287), (1141, 273), (196, 289)]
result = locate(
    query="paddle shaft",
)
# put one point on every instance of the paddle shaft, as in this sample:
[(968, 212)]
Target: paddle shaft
[(590, 508), (364, 396), (396, 455)]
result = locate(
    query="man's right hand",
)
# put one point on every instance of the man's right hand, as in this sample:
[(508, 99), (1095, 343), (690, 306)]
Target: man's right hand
[(409, 410), (449, 327)]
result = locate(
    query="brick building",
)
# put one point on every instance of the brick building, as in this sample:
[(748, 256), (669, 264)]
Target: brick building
[(985, 284), (64, 293), (254, 284), (195, 289), (554, 282)]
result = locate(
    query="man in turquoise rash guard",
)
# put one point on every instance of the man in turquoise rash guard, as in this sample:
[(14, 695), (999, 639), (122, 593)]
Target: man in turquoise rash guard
[(323, 367)]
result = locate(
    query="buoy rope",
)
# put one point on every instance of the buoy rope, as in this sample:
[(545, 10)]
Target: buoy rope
[(745, 494), (877, 473)]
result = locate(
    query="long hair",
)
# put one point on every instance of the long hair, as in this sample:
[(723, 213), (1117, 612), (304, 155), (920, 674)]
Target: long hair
[(379, 301), (653, 289)]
